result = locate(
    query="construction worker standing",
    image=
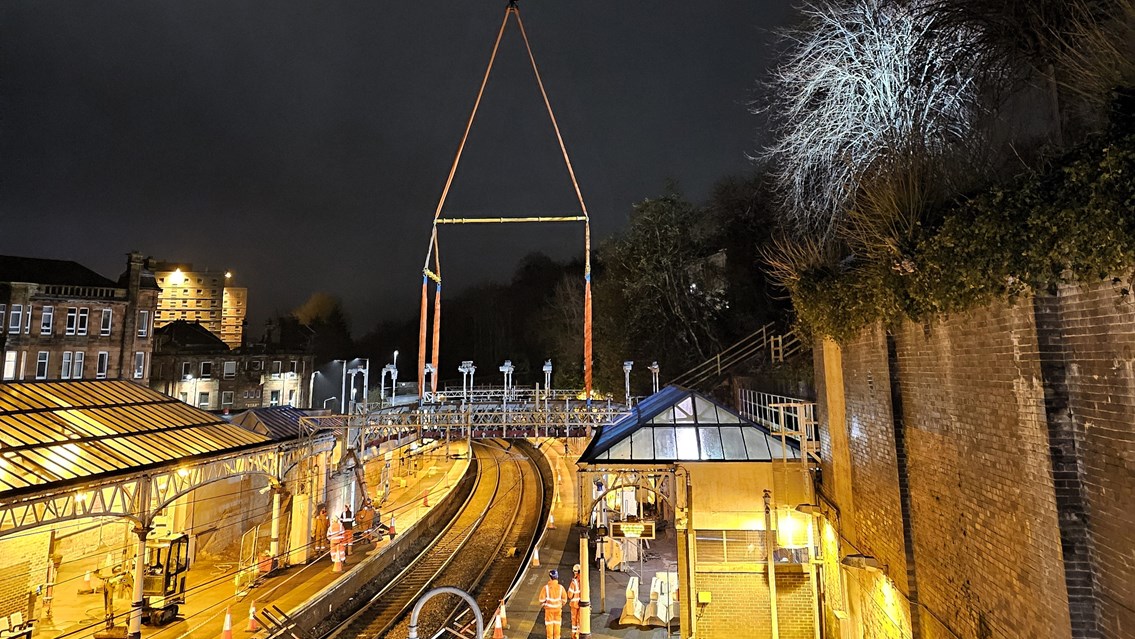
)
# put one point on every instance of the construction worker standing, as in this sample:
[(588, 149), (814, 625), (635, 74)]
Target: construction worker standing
[(552, 598), (573, 592)]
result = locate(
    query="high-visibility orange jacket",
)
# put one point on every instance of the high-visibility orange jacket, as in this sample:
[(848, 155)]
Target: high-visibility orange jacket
[(335, 532), (573, 592), (553, 596)]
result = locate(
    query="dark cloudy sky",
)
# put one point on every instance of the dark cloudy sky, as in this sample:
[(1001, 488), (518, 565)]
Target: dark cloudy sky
[(304, 144)]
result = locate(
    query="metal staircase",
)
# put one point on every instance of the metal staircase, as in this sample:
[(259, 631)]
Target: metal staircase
[(780, 346)]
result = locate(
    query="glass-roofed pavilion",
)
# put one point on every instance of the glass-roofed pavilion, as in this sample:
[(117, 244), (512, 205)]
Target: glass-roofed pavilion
[(677, 424)]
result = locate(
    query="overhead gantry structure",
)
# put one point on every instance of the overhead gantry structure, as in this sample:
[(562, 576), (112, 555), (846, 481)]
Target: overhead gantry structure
[(434, 274)]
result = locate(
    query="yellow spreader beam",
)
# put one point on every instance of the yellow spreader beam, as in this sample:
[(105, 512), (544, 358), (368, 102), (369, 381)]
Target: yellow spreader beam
[(503, 220)]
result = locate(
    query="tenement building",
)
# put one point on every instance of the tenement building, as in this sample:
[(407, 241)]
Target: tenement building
[(60, 320), (204, 296), (196, 366)]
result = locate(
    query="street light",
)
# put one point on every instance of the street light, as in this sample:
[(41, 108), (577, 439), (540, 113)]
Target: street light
[(343, 386), (327, 401), (507, 369), (547, 382), (627, 366), (653, 368), (466, 369)]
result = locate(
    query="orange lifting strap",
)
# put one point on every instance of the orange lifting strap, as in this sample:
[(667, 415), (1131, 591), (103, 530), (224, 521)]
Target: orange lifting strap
[(432, 250)]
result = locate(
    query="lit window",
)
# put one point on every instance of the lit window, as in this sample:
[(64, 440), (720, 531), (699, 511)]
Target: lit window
[(107, 318), (103, 365), (77, 367), (10, 365), (14, 319), (41, 365), (139, 365), (65, 372), (47, 320)]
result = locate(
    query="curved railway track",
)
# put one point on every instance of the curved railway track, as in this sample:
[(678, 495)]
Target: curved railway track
[(481, 551)]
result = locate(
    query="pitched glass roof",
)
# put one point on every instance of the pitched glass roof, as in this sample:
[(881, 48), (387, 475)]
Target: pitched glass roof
[(61, 431), (676, 424)]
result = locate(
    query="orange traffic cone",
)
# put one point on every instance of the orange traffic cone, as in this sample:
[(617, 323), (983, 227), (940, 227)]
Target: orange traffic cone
[(253, 623), (535, 557), (498, 631), (390, 531), (227, 630), (551, 521), (88, 587), (503, 615)]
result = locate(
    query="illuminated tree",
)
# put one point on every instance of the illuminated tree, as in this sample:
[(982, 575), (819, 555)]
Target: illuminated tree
[(870, 89)]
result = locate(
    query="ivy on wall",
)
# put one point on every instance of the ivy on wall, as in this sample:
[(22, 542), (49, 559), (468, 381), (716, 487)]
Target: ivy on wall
[(1072, 222)]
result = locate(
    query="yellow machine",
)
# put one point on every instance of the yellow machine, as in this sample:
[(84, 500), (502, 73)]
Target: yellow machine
[(163, 584)]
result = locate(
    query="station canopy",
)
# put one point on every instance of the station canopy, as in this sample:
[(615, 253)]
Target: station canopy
[(57, 432), (677, 424)]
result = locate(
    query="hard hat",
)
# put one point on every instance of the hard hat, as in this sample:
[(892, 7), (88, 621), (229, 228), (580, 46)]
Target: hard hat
[(554, 574), (575, 568)]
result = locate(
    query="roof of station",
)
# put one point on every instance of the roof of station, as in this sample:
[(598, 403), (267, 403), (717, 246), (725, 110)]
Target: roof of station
[(58, 432), (277, 422), (676, 424)]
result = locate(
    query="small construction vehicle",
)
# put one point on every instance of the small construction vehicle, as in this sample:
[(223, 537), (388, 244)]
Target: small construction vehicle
[(163, 581)]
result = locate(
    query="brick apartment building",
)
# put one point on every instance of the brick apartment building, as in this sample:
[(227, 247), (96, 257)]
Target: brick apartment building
[(61, 320), (196, 366)]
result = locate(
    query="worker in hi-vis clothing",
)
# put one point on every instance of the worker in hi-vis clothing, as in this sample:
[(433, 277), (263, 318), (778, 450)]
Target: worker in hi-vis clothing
[(552, 598), (573, 592)]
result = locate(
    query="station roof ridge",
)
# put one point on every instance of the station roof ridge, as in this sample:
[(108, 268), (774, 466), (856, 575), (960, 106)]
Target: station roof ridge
[(677, 424), (57, 433)]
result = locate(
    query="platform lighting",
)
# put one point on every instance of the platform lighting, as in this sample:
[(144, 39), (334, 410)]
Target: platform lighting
[(328, 401), (627, 366), (653, 368), (507, 369)]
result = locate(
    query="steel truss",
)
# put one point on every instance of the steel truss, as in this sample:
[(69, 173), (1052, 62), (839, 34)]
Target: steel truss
[(141, 495)]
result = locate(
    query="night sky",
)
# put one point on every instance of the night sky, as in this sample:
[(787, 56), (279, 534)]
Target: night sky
[(304, 145)]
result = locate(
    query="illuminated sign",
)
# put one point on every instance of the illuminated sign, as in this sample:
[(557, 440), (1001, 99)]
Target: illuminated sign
[(632, 529)]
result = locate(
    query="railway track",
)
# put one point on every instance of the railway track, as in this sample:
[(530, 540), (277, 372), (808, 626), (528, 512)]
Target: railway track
[(481, 551)]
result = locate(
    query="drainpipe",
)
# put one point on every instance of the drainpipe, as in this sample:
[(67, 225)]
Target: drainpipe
[(770, 545)]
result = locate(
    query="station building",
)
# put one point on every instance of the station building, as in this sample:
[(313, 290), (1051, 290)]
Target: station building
[(731, 502)]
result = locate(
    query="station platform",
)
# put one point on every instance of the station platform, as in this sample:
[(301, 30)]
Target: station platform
[(560, 549), (211, 591)]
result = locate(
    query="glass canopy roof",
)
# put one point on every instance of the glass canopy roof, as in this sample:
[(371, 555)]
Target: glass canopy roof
[(59, 431), (676, 424)]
